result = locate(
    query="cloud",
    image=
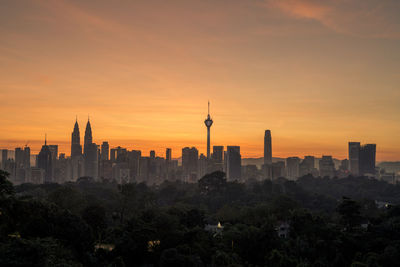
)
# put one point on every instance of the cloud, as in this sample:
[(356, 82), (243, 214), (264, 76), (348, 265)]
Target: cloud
[(363, 18)]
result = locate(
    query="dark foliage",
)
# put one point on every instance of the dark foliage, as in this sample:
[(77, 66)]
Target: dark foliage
[(330, 222)]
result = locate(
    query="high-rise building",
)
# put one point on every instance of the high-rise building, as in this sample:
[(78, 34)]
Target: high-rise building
[(208, 122), (292, 168), (354, 157), (367, 159), (134, 163), (278, 169), (327, 167), (4, 158), (267, 147), (19, 170), (105, 149), (45, 162), (54, 151), (362, 158), (233, 163), (217, 159), (88, 136), (202, 166), (27, 157), (190, 157), (90, 152), (218, 154), (168, 154), (307, 165), (152, 154), (76, 148)]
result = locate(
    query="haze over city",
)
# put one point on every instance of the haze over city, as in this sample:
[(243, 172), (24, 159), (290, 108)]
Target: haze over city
[(318, 74)]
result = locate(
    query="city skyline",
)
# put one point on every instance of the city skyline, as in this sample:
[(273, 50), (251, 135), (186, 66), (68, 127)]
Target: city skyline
[(75, 145), (318, 74)]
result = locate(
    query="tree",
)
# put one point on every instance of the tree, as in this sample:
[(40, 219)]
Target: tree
[(212, 182), (349, 211), (6, 187), (95, 217)]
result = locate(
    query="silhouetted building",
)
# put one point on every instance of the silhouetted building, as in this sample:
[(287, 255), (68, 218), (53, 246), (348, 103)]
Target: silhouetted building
[(105, 151), (208, 122), (202, 166), (19, 169), (278, 169), (217, 159), (362, 159), (267, 147), (168, 167), (367, 159), (4, 158), (45, 162), (344, 165), (190, 158), (106, 169), (327, 167), (37, 175), (292, 168), (168, 154), (354, 158), (233, 163), (307, 165), (90, 154), (76, 148), (152, 154), (134, 163)]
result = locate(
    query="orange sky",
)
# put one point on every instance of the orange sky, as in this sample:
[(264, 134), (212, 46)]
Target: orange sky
[(317, 73)]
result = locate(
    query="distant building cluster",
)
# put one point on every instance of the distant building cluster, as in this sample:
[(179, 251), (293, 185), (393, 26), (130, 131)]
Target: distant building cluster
[(100, 162)]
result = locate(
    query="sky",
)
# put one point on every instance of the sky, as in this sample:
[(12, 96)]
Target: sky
[(318, 74)]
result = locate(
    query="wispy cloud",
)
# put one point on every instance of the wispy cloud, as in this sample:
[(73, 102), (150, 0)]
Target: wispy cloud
[(363, 18)]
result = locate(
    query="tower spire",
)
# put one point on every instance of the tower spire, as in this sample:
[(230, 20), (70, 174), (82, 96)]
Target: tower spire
[(45, 139), (208, 122)]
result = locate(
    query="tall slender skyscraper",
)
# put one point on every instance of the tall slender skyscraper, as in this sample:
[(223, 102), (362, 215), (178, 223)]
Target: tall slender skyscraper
[(233, 163), (105, 151), (208, 122), (45, 161), (354, 157), (76, 148), (90, 152), (267, 147), (88, 137)]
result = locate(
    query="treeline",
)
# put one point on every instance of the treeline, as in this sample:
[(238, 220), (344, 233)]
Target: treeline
[(330, 222)]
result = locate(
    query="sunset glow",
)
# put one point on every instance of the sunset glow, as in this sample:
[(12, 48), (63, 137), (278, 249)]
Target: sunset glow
[(317, 73)]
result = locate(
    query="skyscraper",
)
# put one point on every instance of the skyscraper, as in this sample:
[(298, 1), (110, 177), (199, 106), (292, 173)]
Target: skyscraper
[(292, 168), (45, 162), (218, 154), (233, 163), (208, 122), (354, 157), (4, 157), (327, 167), (367, 159), (90, 152), (267, 147), (190, 157), (168, 155), (88, 137), (105, 149), (76, 148), (307, 165)]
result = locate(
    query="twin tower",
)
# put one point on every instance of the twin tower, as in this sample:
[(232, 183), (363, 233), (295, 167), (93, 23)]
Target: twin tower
[(89, 156)]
